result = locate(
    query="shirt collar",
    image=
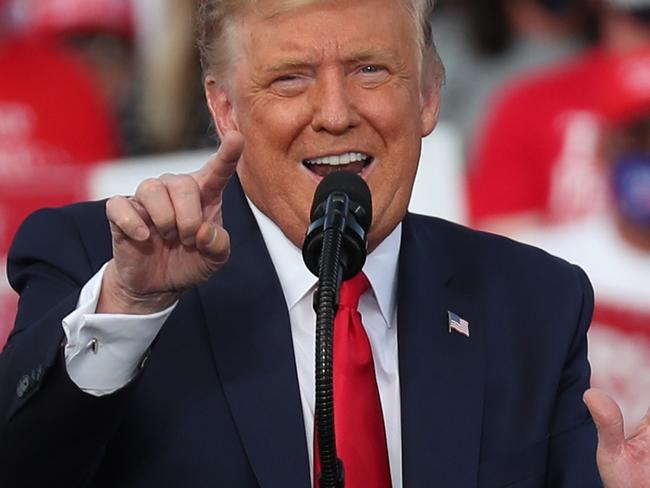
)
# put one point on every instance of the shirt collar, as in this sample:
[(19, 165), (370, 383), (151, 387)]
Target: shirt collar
[(296, 280), (381, 270)]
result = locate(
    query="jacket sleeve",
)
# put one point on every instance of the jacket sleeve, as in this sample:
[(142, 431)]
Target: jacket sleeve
[(49, 429), (573, 439)]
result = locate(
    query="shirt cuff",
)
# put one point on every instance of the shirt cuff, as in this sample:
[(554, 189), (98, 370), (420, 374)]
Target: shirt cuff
[(103, 351)]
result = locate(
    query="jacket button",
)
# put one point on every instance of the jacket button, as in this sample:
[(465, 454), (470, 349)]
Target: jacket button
[(24, 385), (36, 375)]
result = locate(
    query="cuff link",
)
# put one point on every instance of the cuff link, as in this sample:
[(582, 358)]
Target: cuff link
[(93, 345)]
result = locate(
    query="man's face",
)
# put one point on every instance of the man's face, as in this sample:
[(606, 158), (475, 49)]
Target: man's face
[(316, 87)]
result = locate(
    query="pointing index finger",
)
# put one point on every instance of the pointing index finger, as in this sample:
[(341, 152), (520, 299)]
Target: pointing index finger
[(217, 171)]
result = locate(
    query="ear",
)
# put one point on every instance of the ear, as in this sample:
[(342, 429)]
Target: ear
[(221, 106), (429, 110)]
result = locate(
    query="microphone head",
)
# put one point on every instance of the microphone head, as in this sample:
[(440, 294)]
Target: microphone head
[(354, 187), (357, 222)]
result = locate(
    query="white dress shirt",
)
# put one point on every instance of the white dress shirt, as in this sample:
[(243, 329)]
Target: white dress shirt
[(103, 350)]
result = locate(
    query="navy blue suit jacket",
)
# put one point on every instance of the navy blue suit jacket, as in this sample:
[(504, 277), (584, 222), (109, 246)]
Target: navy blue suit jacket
[(217, 401)]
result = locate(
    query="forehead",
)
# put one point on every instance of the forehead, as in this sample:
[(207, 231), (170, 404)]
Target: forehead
[(271, 8), (317, 27)]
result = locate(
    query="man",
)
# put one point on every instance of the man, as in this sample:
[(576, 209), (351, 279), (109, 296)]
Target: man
[(223, 398)]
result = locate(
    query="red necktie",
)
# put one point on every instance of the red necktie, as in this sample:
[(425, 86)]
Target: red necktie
[(358, 419)]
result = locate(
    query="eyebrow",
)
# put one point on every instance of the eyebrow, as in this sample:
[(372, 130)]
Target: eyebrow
[(288, 64), (372, 54), (364, 55)]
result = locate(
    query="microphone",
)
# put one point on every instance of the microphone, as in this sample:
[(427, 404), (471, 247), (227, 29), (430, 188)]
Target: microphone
[(335, 249), (342, 204)]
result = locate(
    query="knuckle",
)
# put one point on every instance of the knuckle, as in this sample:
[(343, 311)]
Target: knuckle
[(111, 203), (150, 185), (116, 208), (185, 185), (165, 221), (168, 179), (187, 180), (189, 224)]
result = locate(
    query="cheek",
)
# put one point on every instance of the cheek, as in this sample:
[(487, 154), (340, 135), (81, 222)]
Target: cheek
[(392, 182), (273, 122), (394, 113), (397, 121)]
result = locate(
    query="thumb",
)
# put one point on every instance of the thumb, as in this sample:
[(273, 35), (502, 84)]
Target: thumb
[(608, 419), (213, 242)]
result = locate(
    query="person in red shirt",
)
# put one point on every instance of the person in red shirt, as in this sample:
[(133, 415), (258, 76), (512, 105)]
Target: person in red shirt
[(535, 159), (54, 125), (614, 247), (102, 34)]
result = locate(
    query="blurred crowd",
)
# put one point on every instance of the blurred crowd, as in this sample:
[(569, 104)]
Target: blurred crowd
[(550, 100), (554, 111), (83, 81), (87, 81)]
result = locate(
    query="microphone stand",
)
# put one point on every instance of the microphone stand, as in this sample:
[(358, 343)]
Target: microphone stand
[(331, 268)]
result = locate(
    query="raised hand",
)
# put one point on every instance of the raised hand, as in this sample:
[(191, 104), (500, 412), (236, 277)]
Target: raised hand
[(169, 236), (623, 463)]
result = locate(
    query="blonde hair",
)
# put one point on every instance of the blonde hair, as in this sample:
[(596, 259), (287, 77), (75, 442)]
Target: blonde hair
[(216, 28)]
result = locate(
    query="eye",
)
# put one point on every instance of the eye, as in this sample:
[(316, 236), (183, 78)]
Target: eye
[(370, 68), (290, 84), (372, 75), (285, 78)]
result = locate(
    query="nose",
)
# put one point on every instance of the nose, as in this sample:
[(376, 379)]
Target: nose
[(334, 109)]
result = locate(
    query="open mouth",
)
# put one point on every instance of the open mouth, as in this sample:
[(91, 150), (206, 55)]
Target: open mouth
[(354, 162)]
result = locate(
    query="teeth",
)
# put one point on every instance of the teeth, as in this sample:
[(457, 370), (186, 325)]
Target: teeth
[(346, 158)]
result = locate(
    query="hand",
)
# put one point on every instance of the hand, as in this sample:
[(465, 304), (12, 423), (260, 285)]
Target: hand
[(169, 236), (623, 463)]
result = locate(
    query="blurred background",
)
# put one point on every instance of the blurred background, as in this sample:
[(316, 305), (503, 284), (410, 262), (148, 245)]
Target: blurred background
[(544, 134)]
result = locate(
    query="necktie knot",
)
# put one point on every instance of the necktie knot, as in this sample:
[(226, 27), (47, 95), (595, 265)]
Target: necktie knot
[(352, 289)]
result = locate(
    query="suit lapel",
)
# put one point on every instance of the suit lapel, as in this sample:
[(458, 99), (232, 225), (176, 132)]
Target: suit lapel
[(441, 373), (249, 327)]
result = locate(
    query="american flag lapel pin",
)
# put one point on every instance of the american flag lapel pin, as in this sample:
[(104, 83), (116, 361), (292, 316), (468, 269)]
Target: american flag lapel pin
[(458, 324)]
